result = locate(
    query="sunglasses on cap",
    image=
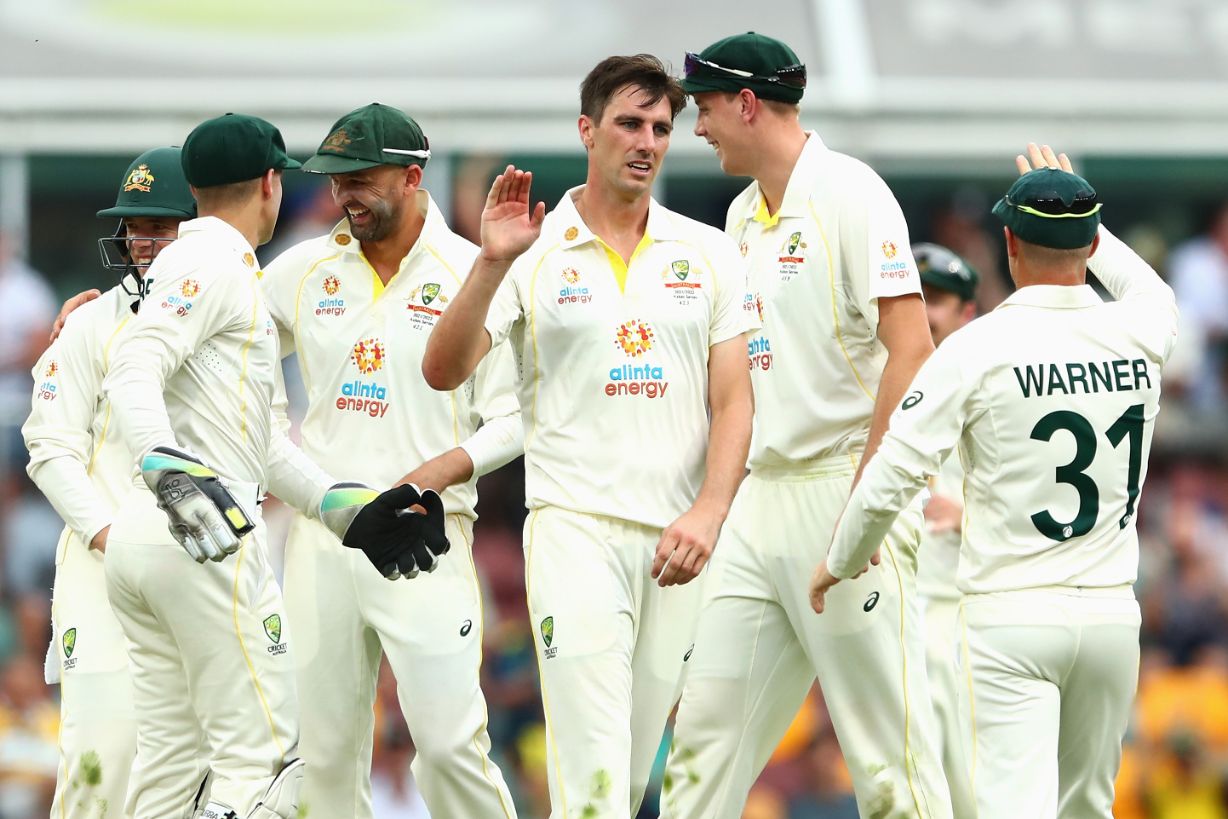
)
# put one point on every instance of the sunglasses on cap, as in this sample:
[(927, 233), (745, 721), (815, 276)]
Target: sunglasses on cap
[(1055, 208), (793, 76)]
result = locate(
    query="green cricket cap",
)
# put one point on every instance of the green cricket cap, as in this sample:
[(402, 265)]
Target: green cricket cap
[(1051, 208), (372, 135), (154, 185), (233, 148), (941, 268), (763, 64)]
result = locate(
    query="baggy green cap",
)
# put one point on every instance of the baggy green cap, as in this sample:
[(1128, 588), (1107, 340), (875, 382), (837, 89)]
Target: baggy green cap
[(154, 185), (941, 268), (1051, 208), (763, 64), (372, 135), (233, 148)]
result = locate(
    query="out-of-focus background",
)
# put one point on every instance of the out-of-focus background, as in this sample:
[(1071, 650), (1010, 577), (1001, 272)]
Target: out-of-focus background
[(938, 95)]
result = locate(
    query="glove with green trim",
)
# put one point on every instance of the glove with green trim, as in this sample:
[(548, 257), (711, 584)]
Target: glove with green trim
[(397, 541), (202, 514)]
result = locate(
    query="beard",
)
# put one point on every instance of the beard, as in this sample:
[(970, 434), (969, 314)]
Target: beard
[(383, 220)]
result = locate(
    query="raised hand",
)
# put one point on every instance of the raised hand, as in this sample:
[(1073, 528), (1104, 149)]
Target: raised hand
[(510, 222), (1042, 156)]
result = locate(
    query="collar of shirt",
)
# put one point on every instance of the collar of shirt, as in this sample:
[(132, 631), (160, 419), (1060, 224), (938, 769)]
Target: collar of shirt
[(572, 232), (1054, 296), (797, 192), (220, 230)]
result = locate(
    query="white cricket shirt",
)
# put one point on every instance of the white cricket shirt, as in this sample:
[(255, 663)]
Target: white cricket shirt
[(360, 344), (817, 267), (1052, 399), (613, 361)]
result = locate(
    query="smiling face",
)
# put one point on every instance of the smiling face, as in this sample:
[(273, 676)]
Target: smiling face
[(374, 199), (627, 145), (145, 237), (719, 122)]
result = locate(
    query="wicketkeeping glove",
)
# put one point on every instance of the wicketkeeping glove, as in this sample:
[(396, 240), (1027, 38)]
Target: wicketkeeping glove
[(398, 542), (202, 514)]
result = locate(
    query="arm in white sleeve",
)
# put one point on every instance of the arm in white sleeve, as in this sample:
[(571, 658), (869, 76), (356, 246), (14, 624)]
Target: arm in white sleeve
[(922, 432), (1128, 278), (57, 433), (293, 477), (500, 438), (160, 340)]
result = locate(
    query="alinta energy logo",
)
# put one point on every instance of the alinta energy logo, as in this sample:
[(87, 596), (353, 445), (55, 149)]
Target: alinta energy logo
[(890, 267), (364, 395), (331, 304), (47, 390), (759, 350), (572, 291), (181, 302), (636, 338)]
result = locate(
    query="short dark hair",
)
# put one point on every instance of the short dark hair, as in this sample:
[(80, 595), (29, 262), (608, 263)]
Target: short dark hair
[(643, 71)]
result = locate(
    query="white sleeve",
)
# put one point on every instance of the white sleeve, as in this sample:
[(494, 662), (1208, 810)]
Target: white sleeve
[(500, 438), (875, 244), (731, 278), (163, 335), (921, 434), (505, 308), (1128, 278), (68, 382)]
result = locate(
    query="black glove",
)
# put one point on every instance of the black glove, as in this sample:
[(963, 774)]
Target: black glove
[(398, 542)]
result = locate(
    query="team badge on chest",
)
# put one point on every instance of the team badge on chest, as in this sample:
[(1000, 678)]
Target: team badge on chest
[(425, 305), (792, 256), (683, 281)]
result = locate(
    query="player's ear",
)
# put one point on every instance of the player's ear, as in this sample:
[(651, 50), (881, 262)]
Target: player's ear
[(413, 179), (747, 104), (268, 183), (1095, 244), (586, 125), (1012, 244)]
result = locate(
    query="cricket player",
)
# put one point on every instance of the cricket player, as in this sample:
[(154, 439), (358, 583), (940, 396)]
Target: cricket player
[(949, 285), (628, 323), (358, 305), (844, 330), (77, 461), (191, 389), (1051, 400)]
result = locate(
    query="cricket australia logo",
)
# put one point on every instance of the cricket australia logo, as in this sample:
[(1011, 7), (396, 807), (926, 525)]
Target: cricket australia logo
[(70, 644), (140, 179), (682, 280), (272, 627), (547, 629), (792, 256), (425, 303)]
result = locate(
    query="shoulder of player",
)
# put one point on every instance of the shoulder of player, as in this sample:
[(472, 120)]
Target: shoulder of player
[(742, 205), (297, 259), (452, 252), (707, 239), (850, 179)]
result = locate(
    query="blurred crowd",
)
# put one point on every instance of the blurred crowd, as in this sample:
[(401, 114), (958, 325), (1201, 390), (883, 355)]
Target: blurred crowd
[(1176, 759)]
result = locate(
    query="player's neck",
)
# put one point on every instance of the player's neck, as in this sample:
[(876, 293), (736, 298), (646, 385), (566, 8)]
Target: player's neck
[(386, 255), (782, 146), (619, 222), (244, 218)]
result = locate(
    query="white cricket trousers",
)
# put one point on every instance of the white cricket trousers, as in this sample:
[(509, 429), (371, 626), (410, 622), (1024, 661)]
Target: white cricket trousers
[(1053, 677), (344, 613), (611, 649), (97, 722), (942, 650), (213, 679), (760, 646)]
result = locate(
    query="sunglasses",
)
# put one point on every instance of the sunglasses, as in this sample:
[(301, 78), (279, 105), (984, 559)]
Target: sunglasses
[(1055, 208), (793, 76)]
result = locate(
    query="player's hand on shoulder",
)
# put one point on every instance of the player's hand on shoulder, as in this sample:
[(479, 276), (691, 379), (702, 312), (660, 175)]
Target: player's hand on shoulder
[(511, 222), (70, 305), (202, 514), (1041, 156), (686, 546), (401, 530)]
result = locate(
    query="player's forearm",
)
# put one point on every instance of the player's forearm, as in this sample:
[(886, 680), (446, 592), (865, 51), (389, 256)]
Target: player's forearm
[(459, 340), (728, 444), (294, 477), (495, 443), (67, 486), (134, 387), (1124, 273), (888, 485), (902, 366)]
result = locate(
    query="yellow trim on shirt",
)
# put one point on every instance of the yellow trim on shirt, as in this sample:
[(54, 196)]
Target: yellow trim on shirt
[(247, 345), (835, 311), (763, 217), (532, 322), (444, 263), (617, 265)]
